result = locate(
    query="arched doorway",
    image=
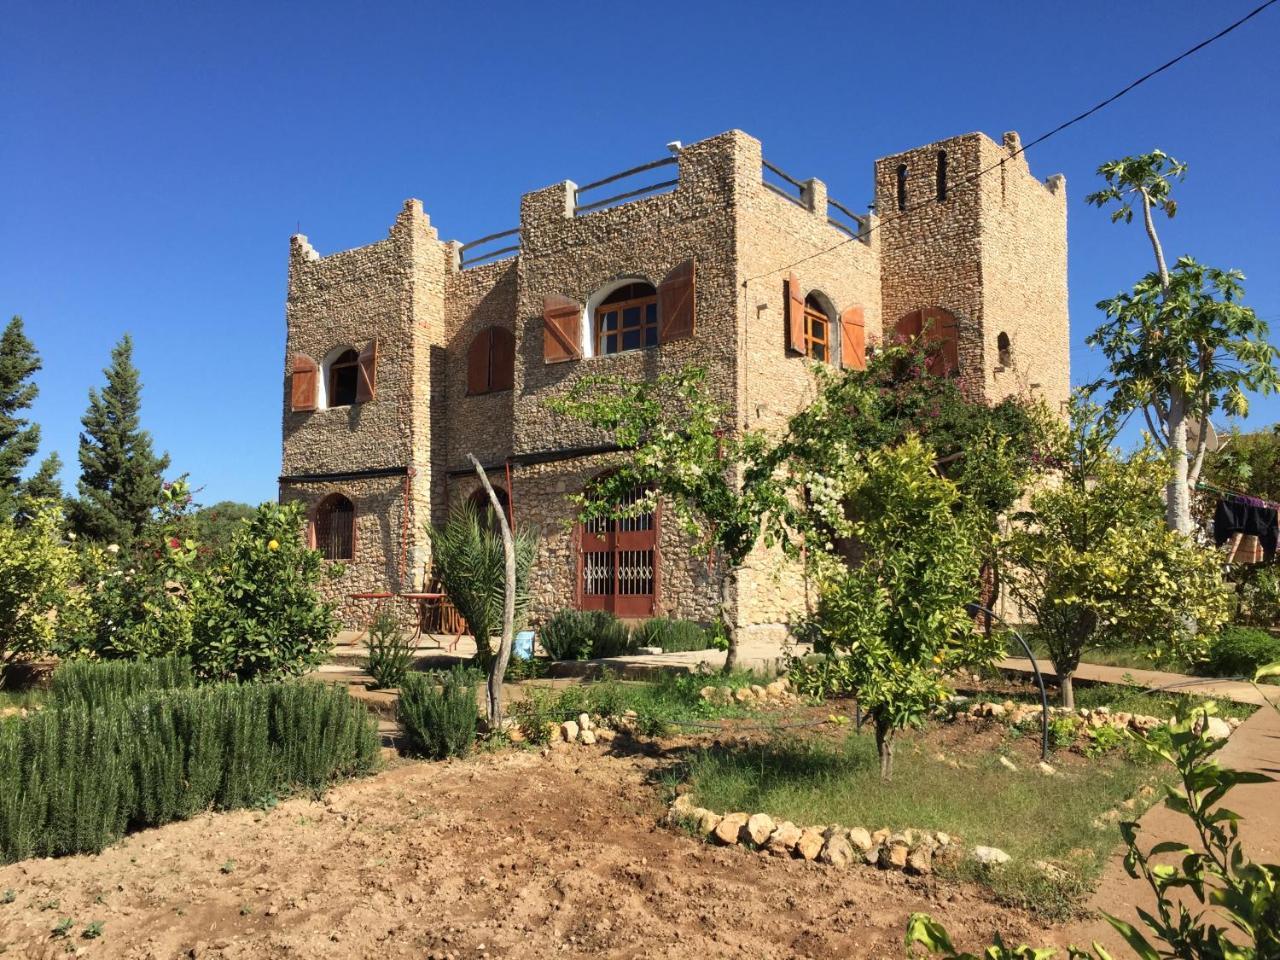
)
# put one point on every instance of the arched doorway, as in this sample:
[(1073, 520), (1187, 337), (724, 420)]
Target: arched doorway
[(618, 562), (479, 501)]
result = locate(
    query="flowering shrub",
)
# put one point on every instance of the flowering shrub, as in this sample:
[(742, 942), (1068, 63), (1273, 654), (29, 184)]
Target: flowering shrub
[(258, 614)]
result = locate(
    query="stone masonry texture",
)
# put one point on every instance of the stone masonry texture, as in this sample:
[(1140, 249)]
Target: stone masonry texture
[(993, 253)]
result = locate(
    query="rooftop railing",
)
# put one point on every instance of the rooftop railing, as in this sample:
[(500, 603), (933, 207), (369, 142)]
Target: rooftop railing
[(476, 252), (776, 179), (583, 205), (846, 221)]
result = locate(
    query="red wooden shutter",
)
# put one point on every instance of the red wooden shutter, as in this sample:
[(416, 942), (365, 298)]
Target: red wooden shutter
[(676, 302), (561, 329), (795, 315), (478, 362), (303, 382), (502, 363), (853, 340), (908, 327), (941, 335), (367, 373)]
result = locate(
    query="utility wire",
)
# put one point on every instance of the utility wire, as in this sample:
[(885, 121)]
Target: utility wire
[(1027, 146)]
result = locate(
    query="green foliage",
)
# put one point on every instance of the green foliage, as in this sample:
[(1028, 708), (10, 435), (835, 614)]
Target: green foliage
[(1216, 873), (897, 613), (469, 561), (1151, 175), (390, 651), (1063, 729), (438, 713), (19, 438), (673, 635), (585, 635), (75, 777), (120, 476), (1241, 651), (821, 676), (1103, 740), (43, 485), (215, 527), (1248, 461), (38, 595), (1258, 596), (96, 684), (259, 615), (1093, 560)]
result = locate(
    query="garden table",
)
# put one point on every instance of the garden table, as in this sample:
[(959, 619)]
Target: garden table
[(435, 611)]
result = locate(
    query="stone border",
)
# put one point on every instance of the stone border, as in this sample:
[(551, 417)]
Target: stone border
[(1025, 714)]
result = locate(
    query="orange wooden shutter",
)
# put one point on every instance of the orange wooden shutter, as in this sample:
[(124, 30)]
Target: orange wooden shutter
[(367, 376), (941, 335), (676, 303), (502, 363), (908, 327), (478, 362), (303, 382), (795, 315), (853, 340), (561, 329)]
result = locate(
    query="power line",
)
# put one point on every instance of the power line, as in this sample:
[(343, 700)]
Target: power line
[(1038, 140)]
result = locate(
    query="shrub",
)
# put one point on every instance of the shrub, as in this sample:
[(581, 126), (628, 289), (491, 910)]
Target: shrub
[(74, 778), (1258, 597), (260, 615), (673, 636), (438, 713), (1240, 651), (469, 561), (390, 651), (1063, 730), (585, 635), (94, 684)]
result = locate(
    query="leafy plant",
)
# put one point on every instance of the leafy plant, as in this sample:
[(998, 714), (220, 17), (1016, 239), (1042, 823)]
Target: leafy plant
[(390, 651), (260, 615), (1093, 561), (468, 558), (1216, 872), (585, 635), (673, 635), (438, 713), (1063, 730), (1258, 596), (896, 614), (1241, 651), (97, 683), (1103, 739)]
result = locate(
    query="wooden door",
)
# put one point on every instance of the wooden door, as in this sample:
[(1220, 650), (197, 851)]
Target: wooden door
[(618, 563)]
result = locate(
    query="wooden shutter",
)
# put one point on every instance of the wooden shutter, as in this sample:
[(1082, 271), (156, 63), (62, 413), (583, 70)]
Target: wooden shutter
[(853, 340), (942, 337), (908, 327), (561, 329), (304, 379), (676, 303), (367, 373), (502, 360), (478, 362), (795, 315)]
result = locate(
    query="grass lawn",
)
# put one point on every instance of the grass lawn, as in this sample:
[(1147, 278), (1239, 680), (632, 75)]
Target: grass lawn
[(1027, 814)]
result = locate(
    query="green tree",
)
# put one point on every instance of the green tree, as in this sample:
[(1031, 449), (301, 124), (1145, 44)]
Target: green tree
[(215, 526), (717, 482), (896, 612), (1181, 346), (1247, 461), (1093, 560), (120, 476), (45, 484), (19, 438)]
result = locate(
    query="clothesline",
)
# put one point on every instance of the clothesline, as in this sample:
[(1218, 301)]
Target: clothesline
[(1238, 495)]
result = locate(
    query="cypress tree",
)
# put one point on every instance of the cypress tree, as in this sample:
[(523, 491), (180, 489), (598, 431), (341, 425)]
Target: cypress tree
[(19, 438), (120, 476), (44, 483)]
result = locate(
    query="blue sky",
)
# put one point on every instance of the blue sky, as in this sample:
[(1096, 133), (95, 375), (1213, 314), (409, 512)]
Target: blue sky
[(155, 158)]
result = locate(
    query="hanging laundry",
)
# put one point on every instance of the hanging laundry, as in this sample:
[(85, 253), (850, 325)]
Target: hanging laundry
[(1249, 517)]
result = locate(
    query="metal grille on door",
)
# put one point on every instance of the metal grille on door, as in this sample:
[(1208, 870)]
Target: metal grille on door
[(619, 562)]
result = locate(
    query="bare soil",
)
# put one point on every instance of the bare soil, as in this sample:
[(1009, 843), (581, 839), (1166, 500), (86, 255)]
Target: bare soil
[(511, 854)]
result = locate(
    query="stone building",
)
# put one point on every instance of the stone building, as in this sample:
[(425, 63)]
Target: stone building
[(405, 355)]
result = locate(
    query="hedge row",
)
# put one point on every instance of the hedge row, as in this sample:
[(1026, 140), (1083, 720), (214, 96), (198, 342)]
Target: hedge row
[(95, 682), (75, 778)]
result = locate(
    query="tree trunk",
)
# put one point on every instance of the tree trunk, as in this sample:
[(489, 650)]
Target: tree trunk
[(726, 618), (884, 747), (1066, 679), (498, 666), (1178, 508)]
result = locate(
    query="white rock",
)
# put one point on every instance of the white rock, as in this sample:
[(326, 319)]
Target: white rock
[(587, 737), (584, 722), (1008, 764), (990, 855), (569, 731), (759, 827), (1046, 769)]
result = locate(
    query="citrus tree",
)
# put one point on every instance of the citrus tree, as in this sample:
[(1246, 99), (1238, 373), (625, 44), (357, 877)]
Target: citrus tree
[(1094, 562), (896, 612)]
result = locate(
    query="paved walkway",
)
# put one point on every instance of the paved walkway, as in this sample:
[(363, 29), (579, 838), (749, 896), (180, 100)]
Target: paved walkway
[(1236, 690)]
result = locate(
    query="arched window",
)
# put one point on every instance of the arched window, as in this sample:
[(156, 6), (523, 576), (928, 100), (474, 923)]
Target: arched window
[(342, 379), (333, 528), (479, 501), (491, 361), (817, 330), (942, 175), (627, 319), (902, 186), (618, 562), (1004, 349)]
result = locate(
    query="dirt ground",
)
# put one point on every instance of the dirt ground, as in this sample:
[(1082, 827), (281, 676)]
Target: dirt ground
[(503, 855)]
